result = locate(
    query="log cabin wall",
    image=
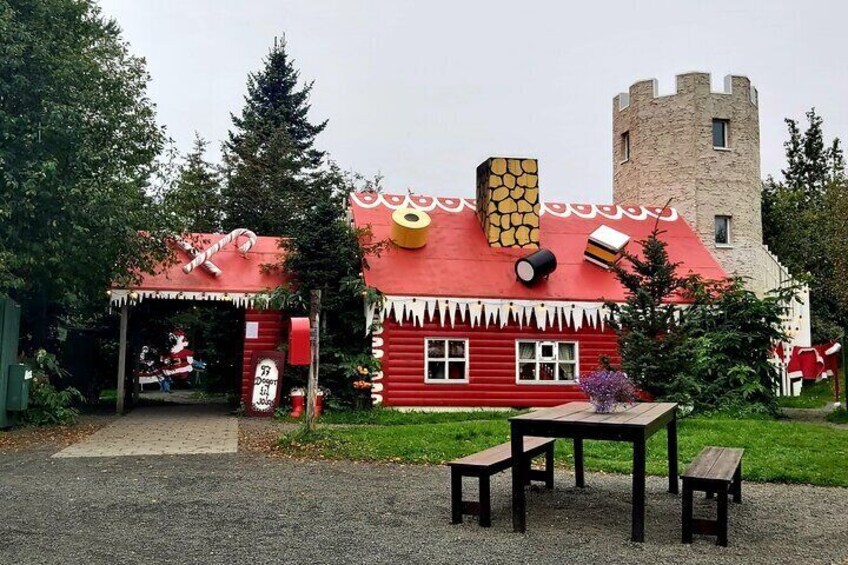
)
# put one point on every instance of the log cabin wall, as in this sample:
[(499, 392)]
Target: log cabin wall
[(491, 365)]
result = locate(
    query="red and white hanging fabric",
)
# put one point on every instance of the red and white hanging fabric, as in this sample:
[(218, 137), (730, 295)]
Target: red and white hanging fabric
[(814, 363)]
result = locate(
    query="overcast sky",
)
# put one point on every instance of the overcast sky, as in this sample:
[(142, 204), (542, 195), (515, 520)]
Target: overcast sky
[(422, 91)]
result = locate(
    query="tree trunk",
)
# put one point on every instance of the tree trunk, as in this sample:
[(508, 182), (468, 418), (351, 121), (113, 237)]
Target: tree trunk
[(315, 332)]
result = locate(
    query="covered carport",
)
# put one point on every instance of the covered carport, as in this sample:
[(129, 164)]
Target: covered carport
[(237, 268)]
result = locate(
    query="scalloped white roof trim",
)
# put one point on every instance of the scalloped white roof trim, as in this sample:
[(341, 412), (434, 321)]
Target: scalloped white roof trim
[(586, 211)]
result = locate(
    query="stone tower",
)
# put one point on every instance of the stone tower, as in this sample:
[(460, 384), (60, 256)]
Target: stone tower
[(701, 149)]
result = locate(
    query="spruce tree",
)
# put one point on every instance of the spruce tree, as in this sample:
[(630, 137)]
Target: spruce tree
[(651, 345), (195, 199), (270, 157)]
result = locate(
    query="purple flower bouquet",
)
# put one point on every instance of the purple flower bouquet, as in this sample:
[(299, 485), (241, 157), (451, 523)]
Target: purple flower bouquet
[(608, 389)]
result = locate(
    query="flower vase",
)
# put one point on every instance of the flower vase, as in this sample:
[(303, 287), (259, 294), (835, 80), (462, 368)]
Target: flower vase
[(603, 406)]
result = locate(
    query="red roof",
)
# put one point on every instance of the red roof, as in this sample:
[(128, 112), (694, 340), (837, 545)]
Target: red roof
[(457, 261), (240, 273)]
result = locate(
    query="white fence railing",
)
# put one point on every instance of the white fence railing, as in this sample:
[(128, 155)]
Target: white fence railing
[(770, 275)]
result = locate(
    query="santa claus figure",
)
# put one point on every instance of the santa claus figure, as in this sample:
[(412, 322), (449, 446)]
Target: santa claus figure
[(178, 363)]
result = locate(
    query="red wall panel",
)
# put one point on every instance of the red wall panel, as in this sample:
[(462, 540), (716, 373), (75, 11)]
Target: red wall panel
[(491, 351), (272, 330)]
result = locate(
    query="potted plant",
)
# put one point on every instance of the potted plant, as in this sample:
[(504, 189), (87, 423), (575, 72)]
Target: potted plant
[(360, 370), (608, 389)]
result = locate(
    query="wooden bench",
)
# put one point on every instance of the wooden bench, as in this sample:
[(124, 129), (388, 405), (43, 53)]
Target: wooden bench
[(715, 471), (488, 462)]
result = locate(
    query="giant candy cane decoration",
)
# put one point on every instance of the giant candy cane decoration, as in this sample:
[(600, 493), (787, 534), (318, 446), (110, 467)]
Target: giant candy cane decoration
[(204, 255), (210, 267)]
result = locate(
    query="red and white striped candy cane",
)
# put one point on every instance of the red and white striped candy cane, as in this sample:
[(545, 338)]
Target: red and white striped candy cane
[(210, 267), (204, 255)]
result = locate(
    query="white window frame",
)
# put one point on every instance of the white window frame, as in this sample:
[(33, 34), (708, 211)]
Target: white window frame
[(446, 359), (625, 146), (539, 342), (729, 219), (726, 146)]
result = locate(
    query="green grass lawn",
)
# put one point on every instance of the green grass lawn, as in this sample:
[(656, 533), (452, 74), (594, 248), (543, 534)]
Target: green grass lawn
[(777, 451), (815, 395)]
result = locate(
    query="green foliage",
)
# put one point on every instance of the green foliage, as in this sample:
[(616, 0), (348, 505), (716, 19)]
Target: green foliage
[(712, 354), (775, 450), (194, 200), (813, 395), (805, 222), (47, 405), (652, 347), (732, 333), (78, 144), (270, 158), (838, 416)]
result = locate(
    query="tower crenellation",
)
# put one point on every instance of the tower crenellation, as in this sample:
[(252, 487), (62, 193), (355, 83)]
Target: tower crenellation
[(701, 149)]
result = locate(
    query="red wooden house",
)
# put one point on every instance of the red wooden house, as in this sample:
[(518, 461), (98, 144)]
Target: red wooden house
[(459, 329)]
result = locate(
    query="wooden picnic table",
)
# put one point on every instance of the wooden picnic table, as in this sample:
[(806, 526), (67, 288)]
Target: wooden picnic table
[(579, 421)]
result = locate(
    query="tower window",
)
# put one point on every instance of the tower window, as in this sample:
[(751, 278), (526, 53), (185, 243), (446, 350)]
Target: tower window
[(722, 230), (720, 131), (625, 146)]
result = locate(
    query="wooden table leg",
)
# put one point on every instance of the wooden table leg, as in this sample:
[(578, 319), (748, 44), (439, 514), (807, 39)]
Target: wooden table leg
[(722, 517), (638, 502), (687, 514), (519, 504), (671, 429), (456, 496), (579, 476), (485, 502)]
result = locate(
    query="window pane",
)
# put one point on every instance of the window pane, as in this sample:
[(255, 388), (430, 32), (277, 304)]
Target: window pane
[(546, 351), (719, 133), (436, 347), (456, 370), (625, 145), (527, 371), (526, 350), (566, 352), (456, 349), (546, 371), (722, 224), (436, 370), (566, 372)]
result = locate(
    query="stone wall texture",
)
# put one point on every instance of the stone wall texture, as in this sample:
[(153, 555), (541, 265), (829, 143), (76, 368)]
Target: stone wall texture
[(672, 157)]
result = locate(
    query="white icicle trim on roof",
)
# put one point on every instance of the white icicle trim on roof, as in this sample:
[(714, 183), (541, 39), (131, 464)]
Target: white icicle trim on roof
[(119, 297), (489, 312), (587, 211)]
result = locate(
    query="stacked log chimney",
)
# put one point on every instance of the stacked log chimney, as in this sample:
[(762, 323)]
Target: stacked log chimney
[(508, 201)]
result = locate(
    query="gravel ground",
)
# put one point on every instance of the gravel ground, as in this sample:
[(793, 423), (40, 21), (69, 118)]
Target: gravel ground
[(248, 508)]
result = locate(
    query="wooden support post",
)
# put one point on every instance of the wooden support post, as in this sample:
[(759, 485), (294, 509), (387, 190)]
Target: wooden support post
[(315, 331), (122, 359)]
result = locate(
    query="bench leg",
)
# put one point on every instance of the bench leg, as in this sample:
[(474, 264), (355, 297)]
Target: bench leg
[(549, 466), (485, 502), (722, 518), (579, 478), (737, 485), (456, 496), (687, 513)]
